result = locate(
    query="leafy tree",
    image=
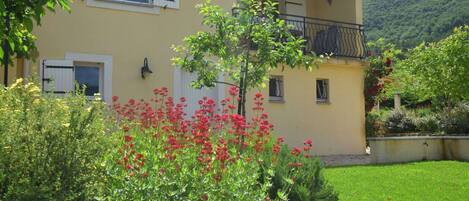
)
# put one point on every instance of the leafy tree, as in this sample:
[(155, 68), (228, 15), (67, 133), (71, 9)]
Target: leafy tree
[(17, 19), (377, 77), (244, 46), (438, 70)]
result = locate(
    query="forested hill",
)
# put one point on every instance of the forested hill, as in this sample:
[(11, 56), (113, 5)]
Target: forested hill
[(407, 23)]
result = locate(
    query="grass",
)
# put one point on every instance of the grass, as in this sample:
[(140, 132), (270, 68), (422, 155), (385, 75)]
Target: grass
[(426, 181)]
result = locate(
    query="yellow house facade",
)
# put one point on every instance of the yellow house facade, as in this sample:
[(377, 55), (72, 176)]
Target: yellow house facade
[(105, 44)]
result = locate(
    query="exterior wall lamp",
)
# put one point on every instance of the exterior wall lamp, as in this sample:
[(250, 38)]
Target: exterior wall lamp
[(145, 70)]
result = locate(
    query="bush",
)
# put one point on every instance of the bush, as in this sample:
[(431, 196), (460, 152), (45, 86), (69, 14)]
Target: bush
[(456, 120), (375, 123), (50, 148), (427, 124), (162, 155), (400, 121), (302, 176)]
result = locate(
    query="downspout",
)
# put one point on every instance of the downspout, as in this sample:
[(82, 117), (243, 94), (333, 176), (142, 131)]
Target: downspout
[(6, 49)]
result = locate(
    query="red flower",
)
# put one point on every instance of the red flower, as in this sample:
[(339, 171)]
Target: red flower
[(295, 151), (128, 138), (115, 99), (280, 140), (276, 148), (126, 129)]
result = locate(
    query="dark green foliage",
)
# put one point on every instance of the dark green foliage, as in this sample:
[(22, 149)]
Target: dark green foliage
[(408, 23), (308, 183), (441, 121), (456, 121), (399, 121)]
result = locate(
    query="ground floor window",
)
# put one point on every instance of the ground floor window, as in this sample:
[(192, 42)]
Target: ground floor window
[(276, 92), (322, 91), (62, 76)]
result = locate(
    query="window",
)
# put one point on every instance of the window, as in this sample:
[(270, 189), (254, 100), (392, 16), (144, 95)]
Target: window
[(141, 6), (62, 77), (89, 79), (322, 91), (276, 88), (135, 1)]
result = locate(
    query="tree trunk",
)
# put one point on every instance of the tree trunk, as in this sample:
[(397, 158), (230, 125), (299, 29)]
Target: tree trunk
[(6, 49)]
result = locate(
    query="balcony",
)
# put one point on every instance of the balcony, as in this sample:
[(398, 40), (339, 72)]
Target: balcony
[(331, 37), (323, 36)]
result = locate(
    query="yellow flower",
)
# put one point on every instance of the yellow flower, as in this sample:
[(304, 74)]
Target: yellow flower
[(17, 82)]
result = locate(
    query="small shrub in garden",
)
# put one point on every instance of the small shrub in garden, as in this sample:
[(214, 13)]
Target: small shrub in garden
[(301, 174), (50, 148), (455, 121), (427, 124), (400, 121), (375, 123), (165, 154)]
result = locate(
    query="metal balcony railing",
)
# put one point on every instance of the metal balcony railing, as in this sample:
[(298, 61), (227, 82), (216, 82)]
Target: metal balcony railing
[(324, 36), (328, 36)]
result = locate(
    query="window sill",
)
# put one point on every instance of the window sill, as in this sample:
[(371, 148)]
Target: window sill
[(125, 6), (276, 100), (323, 102)]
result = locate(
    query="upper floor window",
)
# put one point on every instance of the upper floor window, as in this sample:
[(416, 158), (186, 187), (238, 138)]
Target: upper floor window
[(149, 2), (322, 91), (276, 88), (143, 6)]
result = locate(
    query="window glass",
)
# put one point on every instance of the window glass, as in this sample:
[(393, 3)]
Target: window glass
[(322, 90), (276, 88), (88, 78)]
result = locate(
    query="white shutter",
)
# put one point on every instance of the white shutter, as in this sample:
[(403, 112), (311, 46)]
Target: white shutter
[(167, 3), (193, 95), (58, 76)]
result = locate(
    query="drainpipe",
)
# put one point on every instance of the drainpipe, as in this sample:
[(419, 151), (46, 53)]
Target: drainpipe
[(6, 49)]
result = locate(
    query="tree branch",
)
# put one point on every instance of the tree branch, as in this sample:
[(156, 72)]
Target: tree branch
[(227, 83)]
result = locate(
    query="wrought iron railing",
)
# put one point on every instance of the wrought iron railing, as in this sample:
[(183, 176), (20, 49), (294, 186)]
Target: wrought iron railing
[(324, 36), (328, 36)]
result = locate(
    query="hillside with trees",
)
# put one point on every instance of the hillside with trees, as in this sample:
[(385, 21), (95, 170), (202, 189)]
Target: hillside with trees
[(407, 23)]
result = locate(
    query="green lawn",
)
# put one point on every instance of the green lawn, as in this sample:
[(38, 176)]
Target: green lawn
[(424, 181)]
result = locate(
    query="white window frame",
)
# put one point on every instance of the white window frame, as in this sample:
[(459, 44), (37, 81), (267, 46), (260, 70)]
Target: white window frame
[(153, 7), (167, 3), (328, 95), (107, 71), (281, 89)]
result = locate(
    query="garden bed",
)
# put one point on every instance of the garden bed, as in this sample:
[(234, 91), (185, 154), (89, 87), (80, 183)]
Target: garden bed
[(418, 148)]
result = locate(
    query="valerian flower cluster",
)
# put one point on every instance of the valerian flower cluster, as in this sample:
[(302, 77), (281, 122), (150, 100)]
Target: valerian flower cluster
[(195, 155)]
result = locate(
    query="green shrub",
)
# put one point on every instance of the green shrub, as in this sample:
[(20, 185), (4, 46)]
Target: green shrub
[(456, 120), (400, 121), (375, 123), (305, 183), (427, 124), (50, 148)]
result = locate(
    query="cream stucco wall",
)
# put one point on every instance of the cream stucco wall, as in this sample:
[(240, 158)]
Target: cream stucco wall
[(129, 37), (336, 127), (350, 11), (419, 148)]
